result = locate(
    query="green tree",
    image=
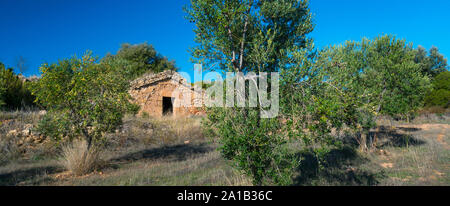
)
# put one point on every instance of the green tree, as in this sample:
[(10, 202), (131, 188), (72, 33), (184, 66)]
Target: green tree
[(431, 63), (227, 30), (374, 77), (311, 107), (440, 96), (15, 93), (83, 98), (2, 86), (141, 58), (250, 36)]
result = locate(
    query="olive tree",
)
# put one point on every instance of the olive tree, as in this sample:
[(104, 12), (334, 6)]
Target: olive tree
[(141, 58), (83, 98), (374, 77), (250, 36)]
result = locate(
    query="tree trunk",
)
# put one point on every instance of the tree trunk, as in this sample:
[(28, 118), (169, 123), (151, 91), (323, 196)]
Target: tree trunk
[(377, 131), (363, 140), (375, 139), (88, 139)]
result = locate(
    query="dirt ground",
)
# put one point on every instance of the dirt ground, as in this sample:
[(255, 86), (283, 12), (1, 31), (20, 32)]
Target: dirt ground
[(175, 152), (424, 160)]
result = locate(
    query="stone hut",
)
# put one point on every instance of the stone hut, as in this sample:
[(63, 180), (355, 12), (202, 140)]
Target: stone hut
[(166, 94)]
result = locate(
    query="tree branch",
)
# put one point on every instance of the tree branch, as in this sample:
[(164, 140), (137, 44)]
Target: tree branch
[(241, 52)]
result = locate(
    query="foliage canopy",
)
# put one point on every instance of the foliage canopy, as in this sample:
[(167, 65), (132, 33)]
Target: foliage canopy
[(140, 58), (440, 96), (14, 90), (250, 36), (83, 98)]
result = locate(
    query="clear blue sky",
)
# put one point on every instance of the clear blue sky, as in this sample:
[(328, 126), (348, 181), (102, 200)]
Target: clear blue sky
[(48, 30)]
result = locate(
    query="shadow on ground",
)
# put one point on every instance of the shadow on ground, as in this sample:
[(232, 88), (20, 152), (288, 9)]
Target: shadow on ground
[(172, 153), (343, 166), (386, 136), (37, 175), (338, 167), (392, 137), (28, 176)]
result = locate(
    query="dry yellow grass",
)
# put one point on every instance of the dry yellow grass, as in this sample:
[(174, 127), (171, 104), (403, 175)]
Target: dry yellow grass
[(78, 160), (174, 151)]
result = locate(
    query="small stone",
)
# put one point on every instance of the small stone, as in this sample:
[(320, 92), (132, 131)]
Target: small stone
[(12, 133), (26, 132), (29, 140)]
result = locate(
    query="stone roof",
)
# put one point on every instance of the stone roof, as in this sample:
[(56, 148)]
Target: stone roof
[(28, 79), (150, 79)]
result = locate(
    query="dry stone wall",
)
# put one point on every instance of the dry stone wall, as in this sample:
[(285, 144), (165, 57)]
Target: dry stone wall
[(149, 90)]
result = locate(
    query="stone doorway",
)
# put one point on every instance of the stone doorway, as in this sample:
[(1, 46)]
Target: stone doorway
[(168, 106)]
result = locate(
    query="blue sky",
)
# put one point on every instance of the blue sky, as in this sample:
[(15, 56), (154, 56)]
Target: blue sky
[(48, 30)]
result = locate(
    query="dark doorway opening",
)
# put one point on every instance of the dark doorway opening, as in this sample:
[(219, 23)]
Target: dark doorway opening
[(168, 105)]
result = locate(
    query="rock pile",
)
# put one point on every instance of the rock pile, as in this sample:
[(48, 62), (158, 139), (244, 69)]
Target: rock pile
[(26, 135)]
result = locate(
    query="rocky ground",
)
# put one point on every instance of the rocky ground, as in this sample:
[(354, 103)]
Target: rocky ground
[(148, 151)]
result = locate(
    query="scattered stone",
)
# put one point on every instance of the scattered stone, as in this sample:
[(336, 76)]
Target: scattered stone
[(440, 174), (351, 169), (382, 152), (149, 131), (26, 132), (12, 133), (387, 165), (29, 139)]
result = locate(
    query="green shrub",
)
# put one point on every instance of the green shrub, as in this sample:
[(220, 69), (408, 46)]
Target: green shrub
[(55, 126), (254, 145), (140, 59), (83, 98), (14, 91), (440, 96)]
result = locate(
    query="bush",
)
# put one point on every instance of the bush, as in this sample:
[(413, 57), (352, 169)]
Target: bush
[(440, 96), (56, 127), (140, 59), (14, 92), (80, 160), (83, 99), (254, 145)]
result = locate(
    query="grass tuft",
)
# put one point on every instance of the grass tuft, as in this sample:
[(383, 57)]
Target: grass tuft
[(78, 160)]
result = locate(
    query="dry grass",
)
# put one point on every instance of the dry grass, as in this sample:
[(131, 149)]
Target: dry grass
[(9, 149), (203, 169), (434, 110), (156, 132), (77, 159), (14, 144), (423, 162), (174, 151)]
